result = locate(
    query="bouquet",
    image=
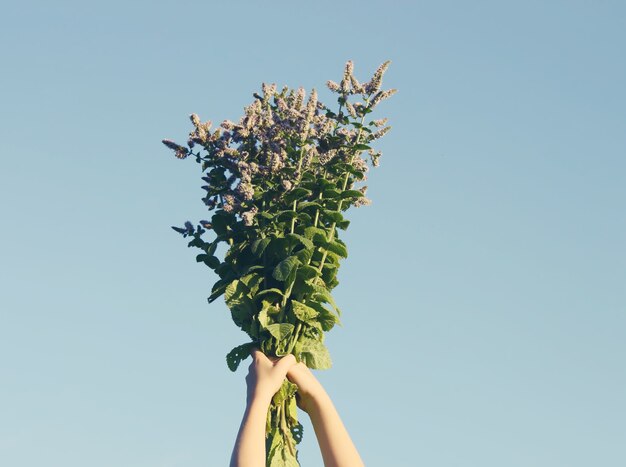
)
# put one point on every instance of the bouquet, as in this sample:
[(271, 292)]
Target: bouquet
[(278, 182)]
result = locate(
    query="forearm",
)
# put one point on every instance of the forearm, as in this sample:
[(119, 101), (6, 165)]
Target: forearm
[(337, 448), (249, 450)]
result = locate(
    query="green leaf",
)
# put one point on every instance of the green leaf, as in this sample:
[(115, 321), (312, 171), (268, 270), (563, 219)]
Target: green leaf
[(297, 429), (343, 225), (287, 390), (265, 292), (351, 194), (259, 245), (315, 355), (252, 281), (253, 267), (241, 314), (280, 456), (280, 330), (263, 317), (242, 309), (239, 353), (337, 247), (291, 279), (212, 247), (316, 234), (308, 204), (233, 291), (286, 215), (304, 256), (331, 193), (278, 248), (305, 218), (333, 215), (302, 239), (275, 446), (218, 289), (284, 268), (303, 312), (212, 262), (219, 223), (307, 272), (326, 318), (209, 260), (323, 294), (299, 193)]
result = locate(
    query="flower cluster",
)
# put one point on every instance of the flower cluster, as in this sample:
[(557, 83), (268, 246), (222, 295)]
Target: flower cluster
[(283, 135)]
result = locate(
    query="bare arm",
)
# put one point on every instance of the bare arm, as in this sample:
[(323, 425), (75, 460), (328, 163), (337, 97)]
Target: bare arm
[(337, 448), (264, 380)]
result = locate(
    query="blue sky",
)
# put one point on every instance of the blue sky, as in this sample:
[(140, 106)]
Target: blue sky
[(483, 298)]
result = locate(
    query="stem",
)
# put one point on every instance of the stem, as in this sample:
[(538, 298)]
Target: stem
[(278, 415), (345, 183), (285, 429), (306, 135), (317, 211), (264, 270), (293, 220), (295, 337)]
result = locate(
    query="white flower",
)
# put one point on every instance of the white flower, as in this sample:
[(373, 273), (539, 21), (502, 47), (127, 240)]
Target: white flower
[(195, 120), (334, 87), (380, 133), (380, 96), (245, 190), (229, 203), (374, 84), (248, 216)]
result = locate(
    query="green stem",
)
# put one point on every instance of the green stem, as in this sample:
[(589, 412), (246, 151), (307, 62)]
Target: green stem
[(293, 220), (317, 211), (345, 184), (285, 429), (296, 335)]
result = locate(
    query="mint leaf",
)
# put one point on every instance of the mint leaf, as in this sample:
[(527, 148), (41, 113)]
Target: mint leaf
[(280, 330), (284, 268), (303, 312), (315, 355), (239, 353)]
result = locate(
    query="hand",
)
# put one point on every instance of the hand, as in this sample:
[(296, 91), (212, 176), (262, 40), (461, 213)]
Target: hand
[(337, 448), (265, 376), (309, 388)]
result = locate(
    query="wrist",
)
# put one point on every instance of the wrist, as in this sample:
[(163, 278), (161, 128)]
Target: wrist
[(316, 400), (260, 399)]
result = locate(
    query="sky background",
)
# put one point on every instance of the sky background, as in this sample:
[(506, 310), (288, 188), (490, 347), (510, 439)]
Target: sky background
[(484, 295)]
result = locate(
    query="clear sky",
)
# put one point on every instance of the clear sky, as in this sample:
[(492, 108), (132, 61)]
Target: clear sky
[(484, 297)]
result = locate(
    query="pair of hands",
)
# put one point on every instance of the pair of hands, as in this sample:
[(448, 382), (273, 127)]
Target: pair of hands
[(265, 377)]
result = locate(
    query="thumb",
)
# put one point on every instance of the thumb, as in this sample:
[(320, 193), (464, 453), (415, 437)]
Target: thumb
[(285, 363)]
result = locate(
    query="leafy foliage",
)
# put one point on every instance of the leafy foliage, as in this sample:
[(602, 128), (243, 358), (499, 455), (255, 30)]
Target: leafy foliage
[(278, 182)]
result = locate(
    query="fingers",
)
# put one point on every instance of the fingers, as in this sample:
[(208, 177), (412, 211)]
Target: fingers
[(297, 369), (259, 357), (285, 363)]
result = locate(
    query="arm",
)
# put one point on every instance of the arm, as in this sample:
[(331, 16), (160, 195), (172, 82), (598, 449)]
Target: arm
[(264, 379), (335, 443)]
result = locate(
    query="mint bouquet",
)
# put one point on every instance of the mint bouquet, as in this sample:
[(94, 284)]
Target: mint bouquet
[(278, 183)]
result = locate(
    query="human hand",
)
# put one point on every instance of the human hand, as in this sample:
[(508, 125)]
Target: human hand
[(310, 389), (266, 376)]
